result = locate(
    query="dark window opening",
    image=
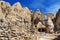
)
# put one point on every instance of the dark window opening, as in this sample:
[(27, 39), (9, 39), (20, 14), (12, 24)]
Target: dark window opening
[(35, 26), (41, 30), (31, 19), (36, 21), (1, 3), (1, 20)]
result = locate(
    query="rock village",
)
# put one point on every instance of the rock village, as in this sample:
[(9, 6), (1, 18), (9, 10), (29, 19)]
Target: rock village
[(20, 23)]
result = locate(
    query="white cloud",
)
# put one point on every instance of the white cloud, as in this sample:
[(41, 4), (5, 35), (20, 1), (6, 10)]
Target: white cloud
[(53, 8)]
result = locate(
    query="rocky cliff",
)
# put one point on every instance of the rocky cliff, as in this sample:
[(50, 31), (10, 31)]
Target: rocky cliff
[(20, 23)]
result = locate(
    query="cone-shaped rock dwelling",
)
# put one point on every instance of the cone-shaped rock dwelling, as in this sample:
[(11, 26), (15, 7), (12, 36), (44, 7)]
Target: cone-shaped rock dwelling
[(57, 21), (50, 25), (20, 23)]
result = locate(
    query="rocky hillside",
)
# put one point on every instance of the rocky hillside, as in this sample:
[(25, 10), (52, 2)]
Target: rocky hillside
[(20, 23)]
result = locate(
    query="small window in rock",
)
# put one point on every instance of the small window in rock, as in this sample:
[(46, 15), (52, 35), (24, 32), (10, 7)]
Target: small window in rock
[(1, 20), (31, 19), (39, 30), (24, 20), (1, 3), (27, 26), (43, 30), (35, 26)]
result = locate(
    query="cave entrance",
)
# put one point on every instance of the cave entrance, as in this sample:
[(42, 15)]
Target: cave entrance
[(41, 30)]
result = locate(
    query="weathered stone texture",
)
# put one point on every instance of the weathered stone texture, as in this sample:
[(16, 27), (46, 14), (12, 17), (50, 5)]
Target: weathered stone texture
[(18, 23)]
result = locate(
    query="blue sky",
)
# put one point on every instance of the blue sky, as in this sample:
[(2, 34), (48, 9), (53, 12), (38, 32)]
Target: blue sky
[(45, 6)]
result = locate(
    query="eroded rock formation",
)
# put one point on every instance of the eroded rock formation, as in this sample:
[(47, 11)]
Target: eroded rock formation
[(18, 23)]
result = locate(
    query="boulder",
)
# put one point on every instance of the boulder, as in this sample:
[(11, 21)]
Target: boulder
[(57, 21), (5, 7), (39, 15), (50, 24), (17, 7), (40, 25), (51, 15)]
